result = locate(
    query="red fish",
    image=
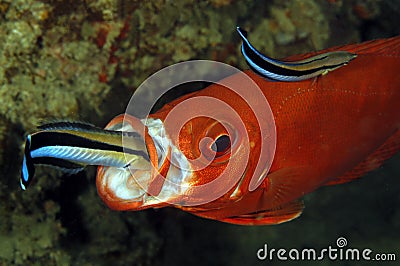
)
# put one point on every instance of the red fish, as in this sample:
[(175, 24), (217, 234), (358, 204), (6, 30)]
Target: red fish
[(329, 130)]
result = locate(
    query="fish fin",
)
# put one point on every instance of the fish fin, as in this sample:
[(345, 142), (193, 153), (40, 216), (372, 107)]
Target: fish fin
[(285, 185), (66, 125), (83, 127), (28, 168), (63, 165), (382, 46), (277, 215), (388, 46), (373, 161), (70, 171)]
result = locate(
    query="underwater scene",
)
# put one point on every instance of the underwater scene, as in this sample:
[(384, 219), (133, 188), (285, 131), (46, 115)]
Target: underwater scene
[(309, 176)]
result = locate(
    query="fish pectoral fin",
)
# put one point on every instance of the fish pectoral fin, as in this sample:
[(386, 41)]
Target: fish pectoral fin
[(68, 167), (277, 215), (71, 171), (286, 185)]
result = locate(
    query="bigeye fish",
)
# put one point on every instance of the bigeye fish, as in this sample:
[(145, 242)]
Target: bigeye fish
[(329, 130)]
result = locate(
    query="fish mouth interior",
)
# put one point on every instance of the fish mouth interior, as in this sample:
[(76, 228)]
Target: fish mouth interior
[(131, 182), (144, 182)]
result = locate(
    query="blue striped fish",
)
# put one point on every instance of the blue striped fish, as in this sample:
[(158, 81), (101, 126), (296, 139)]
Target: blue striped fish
[(71, 146), (292, 71)]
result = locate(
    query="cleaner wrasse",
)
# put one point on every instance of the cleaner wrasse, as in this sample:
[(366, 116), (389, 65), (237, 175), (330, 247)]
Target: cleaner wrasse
[(307, 68), (329, 130)]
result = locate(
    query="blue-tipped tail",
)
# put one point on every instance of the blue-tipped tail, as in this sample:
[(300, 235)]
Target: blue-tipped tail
[(28, 168)]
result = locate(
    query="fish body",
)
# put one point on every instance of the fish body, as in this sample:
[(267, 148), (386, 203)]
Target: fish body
[(322, 131), (307, 68), (71, 146), (329, 130)]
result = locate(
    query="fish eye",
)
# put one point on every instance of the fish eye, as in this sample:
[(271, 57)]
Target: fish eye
[(221, 145)]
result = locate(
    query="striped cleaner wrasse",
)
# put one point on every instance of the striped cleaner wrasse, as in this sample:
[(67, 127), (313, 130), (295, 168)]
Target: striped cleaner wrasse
[(71, 146), (292, 70)]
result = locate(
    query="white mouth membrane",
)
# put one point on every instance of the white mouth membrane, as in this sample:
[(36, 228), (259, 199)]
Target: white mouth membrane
[(131, 183)]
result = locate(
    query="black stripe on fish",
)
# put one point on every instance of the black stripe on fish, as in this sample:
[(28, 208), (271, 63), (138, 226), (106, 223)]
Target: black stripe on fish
[(295, 70), (79, 136), (86, 127), (279, 70), (53, 138)]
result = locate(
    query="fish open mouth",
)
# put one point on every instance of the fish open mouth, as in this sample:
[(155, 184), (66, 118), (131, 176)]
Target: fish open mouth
[(148, 179)]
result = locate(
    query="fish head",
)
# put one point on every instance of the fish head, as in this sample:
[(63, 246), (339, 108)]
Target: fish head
[(193, 170), (203, 152)]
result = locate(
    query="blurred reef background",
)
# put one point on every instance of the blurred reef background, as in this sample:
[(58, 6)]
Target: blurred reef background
[(82, 60)]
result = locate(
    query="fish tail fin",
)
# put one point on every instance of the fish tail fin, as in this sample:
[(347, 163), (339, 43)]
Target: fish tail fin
[(28, 165), (28, 168), (373, 161)]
